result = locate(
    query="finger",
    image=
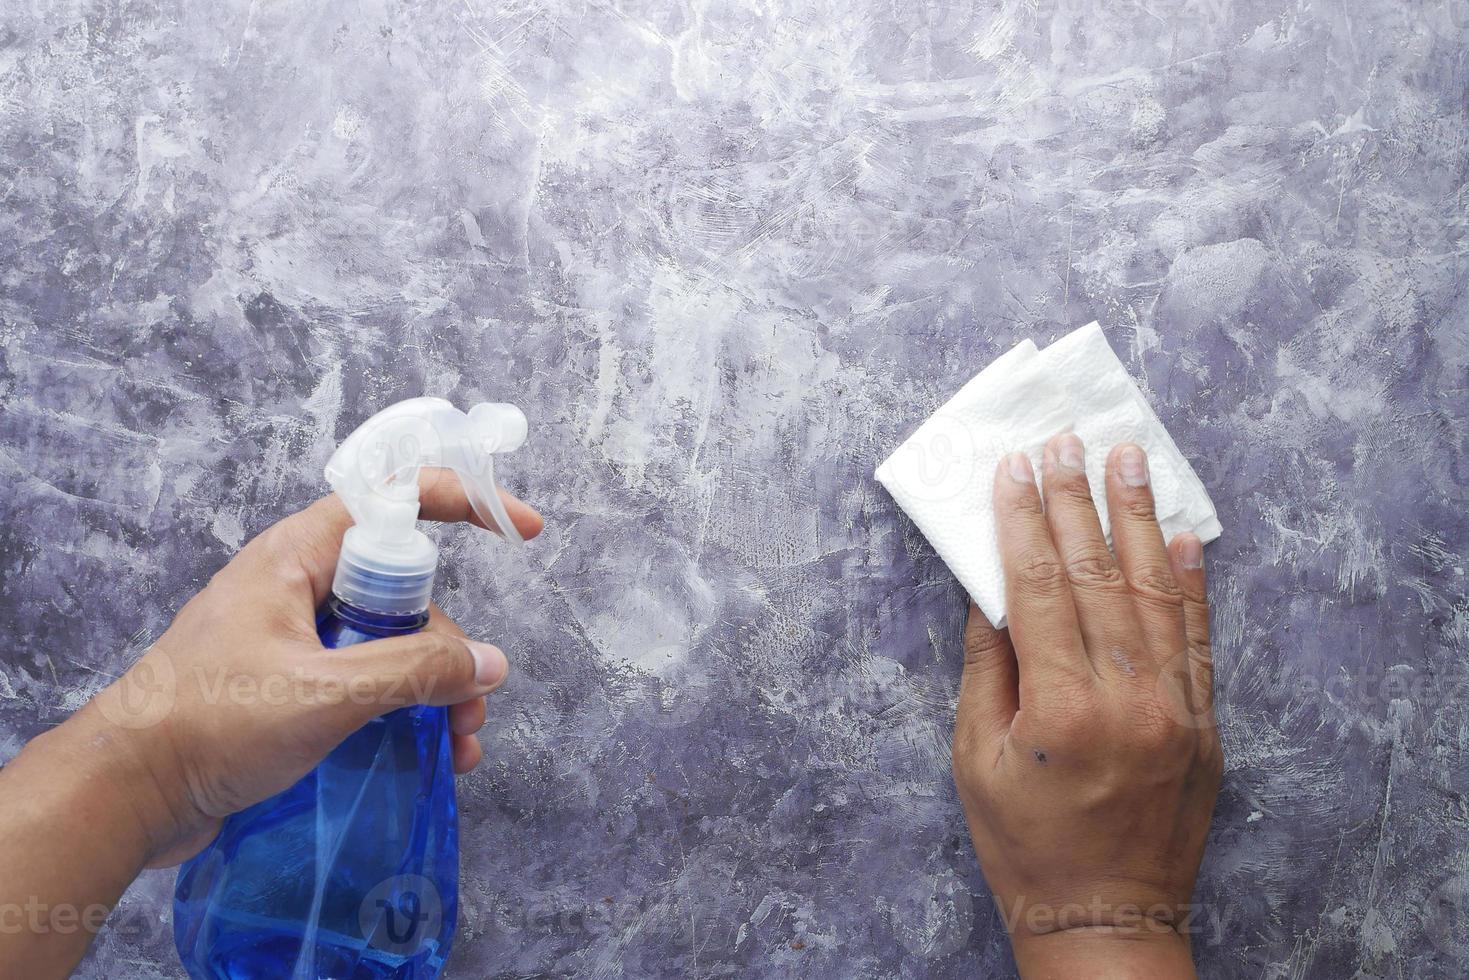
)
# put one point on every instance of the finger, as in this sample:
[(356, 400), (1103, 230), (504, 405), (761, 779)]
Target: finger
[(366, 680), (1138, 542), (439, 621), (311, 540), (1039, 612), (467, 717), (1104, 610), (1186, 553), (989, 691), (467, 753), (441, 498)]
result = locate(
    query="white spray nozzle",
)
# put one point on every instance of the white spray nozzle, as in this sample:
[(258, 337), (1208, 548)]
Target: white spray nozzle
[(387, 564)]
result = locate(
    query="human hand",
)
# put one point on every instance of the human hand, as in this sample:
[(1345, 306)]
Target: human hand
[(1085, 750), (239, 699)]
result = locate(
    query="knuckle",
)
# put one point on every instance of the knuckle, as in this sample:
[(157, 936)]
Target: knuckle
[(1136, 506), (1070, 489), (1026, 503), (273, 543), (1178, 703), (443, 654), (1198, 612), (1159, 732), (283, 563), (1201, 653), (452, 663), (291, 578), (1040, 573), (981, 646), (1094, 569), (1156, 584)]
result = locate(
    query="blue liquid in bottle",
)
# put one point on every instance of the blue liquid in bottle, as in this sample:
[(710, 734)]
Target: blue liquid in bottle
[(353, 872)]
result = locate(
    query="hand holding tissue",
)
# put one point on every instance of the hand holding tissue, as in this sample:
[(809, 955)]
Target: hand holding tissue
[(943, 475)]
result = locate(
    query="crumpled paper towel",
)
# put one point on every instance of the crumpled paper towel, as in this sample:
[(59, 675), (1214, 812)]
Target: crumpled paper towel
[(943, 475)]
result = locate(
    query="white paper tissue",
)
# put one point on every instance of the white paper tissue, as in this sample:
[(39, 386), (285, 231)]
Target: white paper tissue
[(943, 475)]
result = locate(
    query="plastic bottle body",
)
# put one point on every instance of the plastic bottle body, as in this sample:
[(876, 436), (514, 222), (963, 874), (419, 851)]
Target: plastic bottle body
[(352, 872)]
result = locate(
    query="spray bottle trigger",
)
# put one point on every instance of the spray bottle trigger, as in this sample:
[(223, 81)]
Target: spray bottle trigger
[(494, 427)]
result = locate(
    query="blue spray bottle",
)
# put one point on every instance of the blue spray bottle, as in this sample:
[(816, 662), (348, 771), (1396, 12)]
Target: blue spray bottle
[(353, 872)]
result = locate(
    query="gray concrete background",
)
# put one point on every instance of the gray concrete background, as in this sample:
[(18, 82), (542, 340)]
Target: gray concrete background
[(727, 255)]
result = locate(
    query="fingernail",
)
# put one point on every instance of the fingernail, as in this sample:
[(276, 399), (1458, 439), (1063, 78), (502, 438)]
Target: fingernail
[(1019, 467), (1190, 551), (490, 665), (1069, 452), (1134, 466)]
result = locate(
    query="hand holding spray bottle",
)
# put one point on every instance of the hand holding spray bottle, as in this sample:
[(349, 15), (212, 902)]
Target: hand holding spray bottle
[(353, 872)]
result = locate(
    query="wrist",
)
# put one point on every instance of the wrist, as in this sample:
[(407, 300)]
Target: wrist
[(82, 817), (121, 773), (1148, 950)]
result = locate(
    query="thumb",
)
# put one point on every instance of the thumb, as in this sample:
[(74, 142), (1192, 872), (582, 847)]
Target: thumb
[(989, 689), (422, 668)]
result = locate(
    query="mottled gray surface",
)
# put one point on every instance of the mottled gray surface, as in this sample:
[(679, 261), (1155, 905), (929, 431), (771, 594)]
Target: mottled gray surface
[(727, 255)]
